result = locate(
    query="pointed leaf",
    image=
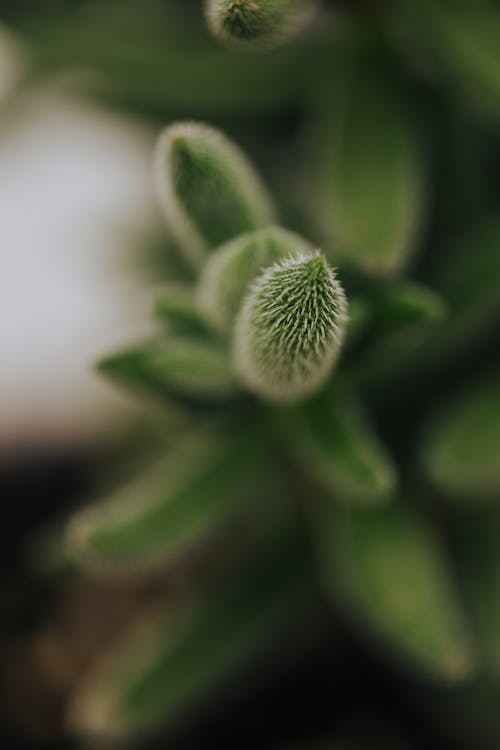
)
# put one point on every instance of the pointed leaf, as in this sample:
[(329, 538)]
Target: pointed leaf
[(166, 76), (178, 503), (360, 319), (408, 303), (479, 568), (208, 189), (333, 441), (178, 367), (257, 24), (384, 566), (176, 308), (231, 268), (461, 444), (372, 188), (184, 660), (463, 37), (465, 274)]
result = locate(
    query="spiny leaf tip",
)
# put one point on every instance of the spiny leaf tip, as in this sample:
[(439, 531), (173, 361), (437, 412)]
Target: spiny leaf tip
[(290, 328), (257, 24)]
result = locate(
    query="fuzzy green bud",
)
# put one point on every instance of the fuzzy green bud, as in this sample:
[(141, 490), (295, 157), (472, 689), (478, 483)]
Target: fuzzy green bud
[(257, 24), (290, 328), (230, 270)]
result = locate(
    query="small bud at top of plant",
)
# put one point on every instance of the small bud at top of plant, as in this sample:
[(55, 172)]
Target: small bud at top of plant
[(257, 24), (290, 328)]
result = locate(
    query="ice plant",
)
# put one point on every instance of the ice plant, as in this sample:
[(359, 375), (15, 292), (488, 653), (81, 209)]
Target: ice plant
[(252, 352), (285, 475)]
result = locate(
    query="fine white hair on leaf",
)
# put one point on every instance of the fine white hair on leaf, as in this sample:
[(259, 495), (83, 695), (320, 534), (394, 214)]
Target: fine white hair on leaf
[(230, 270), (208, 190), (290, 328), (256, 25)]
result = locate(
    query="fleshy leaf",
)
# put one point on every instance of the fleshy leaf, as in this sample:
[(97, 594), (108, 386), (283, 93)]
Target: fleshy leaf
[(182, 367), (290, 328), (360, 319), (257, 24), (208, 189), (461, 444), (200, 650), (463, 38), (165, 75), (407, 303), (478, 554), (465, 274), (384, 567), (176, 307), (174, 505), (333, 441), (372, 189), (231, 268)]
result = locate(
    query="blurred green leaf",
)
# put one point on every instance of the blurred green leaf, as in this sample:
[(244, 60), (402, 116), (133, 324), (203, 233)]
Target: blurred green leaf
[(461, 443), (176, 307), (463, 36), (158, 56), (201, 649), (208, 189), (478, 553), (331, 438), (384, 566), (229, 271), (465, 274), (186, 367), (406, 303), (371, 192), (175, 505), (360, 319)]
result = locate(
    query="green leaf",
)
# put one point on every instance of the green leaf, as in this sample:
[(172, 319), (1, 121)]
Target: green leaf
[(173, 506), (183, 660), (465, 273), (371, 189), (176, 307), (408, 303), (478, 553), (229, 271), (290, 328), (179, 367), (461, 443), (175, 66), (208, 189), (360, 319), (257, 24), (331, 438), (463, 37), (384, 567)]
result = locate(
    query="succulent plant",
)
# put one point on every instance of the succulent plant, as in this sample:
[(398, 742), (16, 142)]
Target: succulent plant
[(277, 452), (322, 451)]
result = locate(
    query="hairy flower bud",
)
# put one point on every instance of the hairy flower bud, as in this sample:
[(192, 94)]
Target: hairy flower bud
[(231, 268), (290, 328), (257, 24)]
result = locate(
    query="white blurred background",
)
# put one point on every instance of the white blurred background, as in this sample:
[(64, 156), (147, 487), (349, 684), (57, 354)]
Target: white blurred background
[(75, 200)]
